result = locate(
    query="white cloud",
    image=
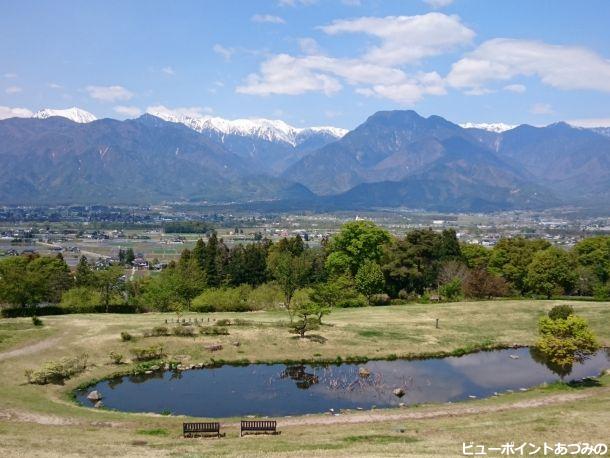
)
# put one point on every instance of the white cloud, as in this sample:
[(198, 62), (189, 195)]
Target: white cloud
[(9, 112), (516, 88), (191, 112), (10, 75), (267, 18), (439, 3), (406, 39), (109, 93), (129, 111), (226, 53), (351, 2), (376, 73), (168, 71), (54, 86), (309, 46), (13, 89), (296, 2), (590, 122), (542, 109), (501, 59)]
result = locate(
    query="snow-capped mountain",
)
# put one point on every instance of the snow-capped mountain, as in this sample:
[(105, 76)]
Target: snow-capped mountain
[(74, 114), (491, 127), (266, 129)]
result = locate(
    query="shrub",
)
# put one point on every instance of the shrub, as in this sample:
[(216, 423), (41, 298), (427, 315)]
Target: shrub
[(36, 321), (125, 336), (561, 312), (380, 299), (146, 354), (358, 301), (116, 358), (223, 322), (452, 290), (183, 331), (213, 331), (80, 297), (159, 331), (57, 371)]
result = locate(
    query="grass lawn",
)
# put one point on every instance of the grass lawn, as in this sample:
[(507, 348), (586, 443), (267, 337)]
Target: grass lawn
[(44, 421)]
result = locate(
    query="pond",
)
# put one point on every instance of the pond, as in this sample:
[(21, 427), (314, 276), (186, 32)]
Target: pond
[(277, 389)]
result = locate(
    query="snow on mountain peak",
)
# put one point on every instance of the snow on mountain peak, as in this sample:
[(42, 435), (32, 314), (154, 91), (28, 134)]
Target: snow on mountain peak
[(266, 129), (74, 114), (491, 127)]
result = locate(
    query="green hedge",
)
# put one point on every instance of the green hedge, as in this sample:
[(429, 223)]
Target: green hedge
[(15, 312)]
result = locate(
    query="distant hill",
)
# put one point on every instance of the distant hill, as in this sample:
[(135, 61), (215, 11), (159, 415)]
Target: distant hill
[(394, 158), (56, 160)]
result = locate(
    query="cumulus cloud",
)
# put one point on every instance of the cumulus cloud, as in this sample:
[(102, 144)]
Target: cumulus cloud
[(542, 109), (378, 71), (191, 112), (168, 71), (55, 86), (109, 93), (501, 59), (271, 19), (438, 3), (406, 39), (221, 50), (590, 122), (128, 111), (13, 90), (296, 2), (9, 112), (516, 88)]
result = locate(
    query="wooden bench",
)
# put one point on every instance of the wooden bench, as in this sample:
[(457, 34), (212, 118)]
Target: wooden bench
[(259, 427), (206, 429)]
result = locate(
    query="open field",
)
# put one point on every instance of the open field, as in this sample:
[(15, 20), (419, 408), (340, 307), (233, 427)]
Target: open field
[(44, 421)]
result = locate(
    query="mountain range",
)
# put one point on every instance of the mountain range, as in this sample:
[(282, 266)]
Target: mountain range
[(395, 158)]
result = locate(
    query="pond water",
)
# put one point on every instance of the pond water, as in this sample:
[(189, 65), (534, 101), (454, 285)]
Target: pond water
[(277, 389)]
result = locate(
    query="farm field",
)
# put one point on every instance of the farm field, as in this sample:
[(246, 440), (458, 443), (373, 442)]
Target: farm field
[(43, 420)]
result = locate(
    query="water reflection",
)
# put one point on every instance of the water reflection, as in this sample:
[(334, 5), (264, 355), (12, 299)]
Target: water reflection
[(278, 389)]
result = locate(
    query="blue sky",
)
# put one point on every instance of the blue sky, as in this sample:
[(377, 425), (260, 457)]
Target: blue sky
[(324, 62)]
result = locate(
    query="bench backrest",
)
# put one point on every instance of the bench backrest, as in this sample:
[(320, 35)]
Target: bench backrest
[(258, 425), (205, 427)]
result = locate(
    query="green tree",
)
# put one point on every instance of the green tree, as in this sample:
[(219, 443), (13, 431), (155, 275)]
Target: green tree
[(84, 277), (15, 284), (551, 270), (369, 280), (475, 256), (356, 242), (594, 254), (307, 313), (290, 272), (511, 258), (566, 341), (129, 256), (109, 283)]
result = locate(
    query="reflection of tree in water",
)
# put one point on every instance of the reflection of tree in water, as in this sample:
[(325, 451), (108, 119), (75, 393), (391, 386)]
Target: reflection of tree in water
[(141, 378), (346, 379), (550, 363), (297, 373), (114, 382)]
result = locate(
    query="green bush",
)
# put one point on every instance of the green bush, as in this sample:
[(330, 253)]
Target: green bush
[(213, 331), (223, 322), (126, 337), (561, 312), (159, 331), (57, 371), (149, 353), (243, 298), (358, 301), (116, 358), (80, 297), (36, 321), (183, 331)]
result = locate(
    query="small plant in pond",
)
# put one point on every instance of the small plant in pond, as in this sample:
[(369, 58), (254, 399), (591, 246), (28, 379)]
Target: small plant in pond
[(126, 337), (115, 358), (36, 321)]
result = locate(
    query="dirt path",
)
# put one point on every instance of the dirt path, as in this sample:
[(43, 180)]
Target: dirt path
[(28, 349)]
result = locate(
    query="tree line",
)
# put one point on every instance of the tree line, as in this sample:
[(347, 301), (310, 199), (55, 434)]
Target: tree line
[(363, 264)]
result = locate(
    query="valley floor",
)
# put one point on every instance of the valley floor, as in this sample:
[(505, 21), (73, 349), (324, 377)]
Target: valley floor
[(44, 421)]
